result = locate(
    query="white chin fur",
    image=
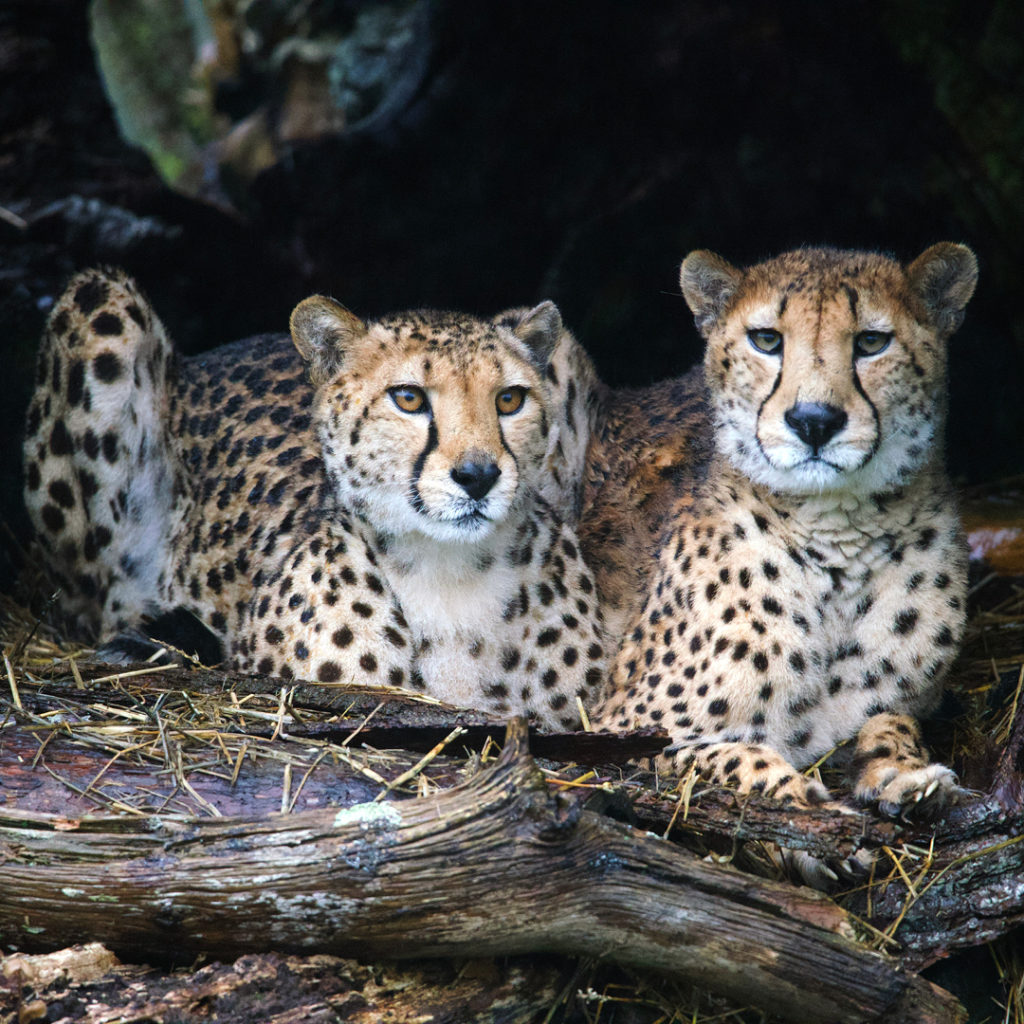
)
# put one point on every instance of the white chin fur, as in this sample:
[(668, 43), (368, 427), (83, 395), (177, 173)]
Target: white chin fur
[(882, 472), (394, 514), (455, 531)]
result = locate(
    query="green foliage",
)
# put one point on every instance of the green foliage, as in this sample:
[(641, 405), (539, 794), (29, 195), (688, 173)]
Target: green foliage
[(152, 58)]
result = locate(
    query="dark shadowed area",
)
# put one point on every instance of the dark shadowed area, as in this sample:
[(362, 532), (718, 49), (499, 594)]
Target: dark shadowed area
[(573, 152)]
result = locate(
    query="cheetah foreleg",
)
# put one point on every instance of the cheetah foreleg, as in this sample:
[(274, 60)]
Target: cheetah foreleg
[(752, 768), (891, 768), (749, 768)]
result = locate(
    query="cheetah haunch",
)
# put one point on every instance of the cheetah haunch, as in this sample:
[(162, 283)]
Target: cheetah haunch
[(400, 521), (810, 586)]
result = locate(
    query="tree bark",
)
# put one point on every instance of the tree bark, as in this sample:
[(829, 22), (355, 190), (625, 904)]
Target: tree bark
[(495, 866)]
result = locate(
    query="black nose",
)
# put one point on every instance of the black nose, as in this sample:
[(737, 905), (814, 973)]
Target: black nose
[(814, 423), (476, 476)]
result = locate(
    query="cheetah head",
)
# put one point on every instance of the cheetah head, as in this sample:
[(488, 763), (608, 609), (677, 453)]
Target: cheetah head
[(826, 368), (431, 423)]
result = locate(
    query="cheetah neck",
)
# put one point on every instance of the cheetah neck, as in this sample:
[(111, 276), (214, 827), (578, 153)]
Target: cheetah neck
[(448, 589), (836, 527)]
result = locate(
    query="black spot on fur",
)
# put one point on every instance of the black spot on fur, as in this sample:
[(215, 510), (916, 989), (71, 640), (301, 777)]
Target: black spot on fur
[(107, 325), (905, 621), (61, 493), (76, 381), (547, 637), (53, 518), (107, 367), (109, 446), (89, 295), (60, 439)]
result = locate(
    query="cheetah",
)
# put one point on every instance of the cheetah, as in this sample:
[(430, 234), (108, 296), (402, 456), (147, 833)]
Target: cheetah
[(808, 585), (388, 502)]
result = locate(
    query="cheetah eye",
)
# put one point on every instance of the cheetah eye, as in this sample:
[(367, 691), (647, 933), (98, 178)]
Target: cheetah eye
[(871, 343), (409, 398), (766, 340), (510, 400)]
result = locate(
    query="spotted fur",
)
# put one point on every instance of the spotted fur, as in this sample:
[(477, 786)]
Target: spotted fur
[(811, 582), (317, 529)]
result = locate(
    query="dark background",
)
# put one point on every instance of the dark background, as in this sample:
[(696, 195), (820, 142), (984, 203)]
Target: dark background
[(573, 151)]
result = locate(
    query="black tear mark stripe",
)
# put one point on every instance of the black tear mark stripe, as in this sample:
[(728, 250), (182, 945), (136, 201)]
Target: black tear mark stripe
[(760, 411), (417, 468), (871, 405), (504, 444)]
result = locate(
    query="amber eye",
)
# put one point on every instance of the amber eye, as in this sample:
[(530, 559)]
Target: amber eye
[(871, 343), (409, 398), (764, 339), (510, 400)]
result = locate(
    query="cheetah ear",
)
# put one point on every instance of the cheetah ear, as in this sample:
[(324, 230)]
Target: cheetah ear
[(323, 331), (944, 277), (539, 330), (708, 282)]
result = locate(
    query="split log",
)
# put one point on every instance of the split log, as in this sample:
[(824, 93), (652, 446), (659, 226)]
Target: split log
[(496, 866)]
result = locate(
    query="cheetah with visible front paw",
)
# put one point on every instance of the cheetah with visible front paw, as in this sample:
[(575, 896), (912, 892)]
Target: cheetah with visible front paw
[(811, 580), (402, 516)]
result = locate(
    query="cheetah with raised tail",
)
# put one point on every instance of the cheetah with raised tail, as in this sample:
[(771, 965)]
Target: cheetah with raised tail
[(402, 514), (809, 585)]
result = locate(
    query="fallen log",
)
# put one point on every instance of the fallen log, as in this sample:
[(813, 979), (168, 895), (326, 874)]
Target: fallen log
[(88, 984), (498, 865)]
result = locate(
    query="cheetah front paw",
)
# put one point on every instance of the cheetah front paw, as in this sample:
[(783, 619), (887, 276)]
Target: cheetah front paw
[(797, 790), (924, 791), (825, 875)]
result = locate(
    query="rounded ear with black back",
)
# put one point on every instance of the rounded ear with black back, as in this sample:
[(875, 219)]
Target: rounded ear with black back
[(708, 282), (323, 331), (539, 330), (944, 277)]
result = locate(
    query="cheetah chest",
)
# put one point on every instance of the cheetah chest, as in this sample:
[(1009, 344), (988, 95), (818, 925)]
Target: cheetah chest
[(791, 633), (453, 598)]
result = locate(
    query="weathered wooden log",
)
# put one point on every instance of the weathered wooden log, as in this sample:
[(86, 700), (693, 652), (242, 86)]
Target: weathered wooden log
[(498, 865), (87, 983)]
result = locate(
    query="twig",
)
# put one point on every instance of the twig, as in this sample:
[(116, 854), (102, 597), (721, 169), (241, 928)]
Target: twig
[(118, 676), (15, 695), (420, 764), (309, 771), (362, 725), (286, 787)]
